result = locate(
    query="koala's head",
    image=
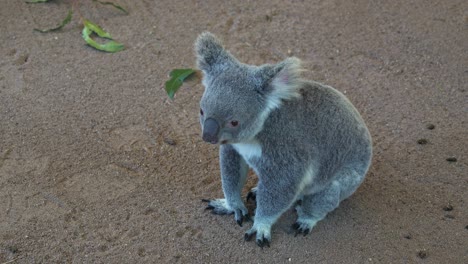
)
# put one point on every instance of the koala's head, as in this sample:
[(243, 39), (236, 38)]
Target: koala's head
[(238, 97)]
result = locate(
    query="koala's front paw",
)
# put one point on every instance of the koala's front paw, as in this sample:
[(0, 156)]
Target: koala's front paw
[(263, 237), (221, 207)]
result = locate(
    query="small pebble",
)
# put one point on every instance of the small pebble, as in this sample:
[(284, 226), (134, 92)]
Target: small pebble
[(408, 236), (430, 126), (422, 254), (448, 208), (451, 159), (169, 141), (13, 249), (422, 141)]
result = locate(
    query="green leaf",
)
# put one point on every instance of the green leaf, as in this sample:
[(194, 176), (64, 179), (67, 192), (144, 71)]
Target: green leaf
[(64, 22), (96, 29), (112, 4), (110, 46), (36, 1), (178, 76)]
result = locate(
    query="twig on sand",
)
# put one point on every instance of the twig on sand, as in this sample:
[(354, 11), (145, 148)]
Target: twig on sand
[(13, 260)]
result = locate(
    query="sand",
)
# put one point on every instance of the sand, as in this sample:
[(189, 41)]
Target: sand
[(97, 165)]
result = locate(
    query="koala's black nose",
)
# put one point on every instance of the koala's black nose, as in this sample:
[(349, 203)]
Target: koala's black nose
[(210, 131)]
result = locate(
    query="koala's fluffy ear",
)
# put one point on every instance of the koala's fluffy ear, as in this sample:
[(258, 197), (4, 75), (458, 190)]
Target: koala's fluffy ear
[(283, 81), (210, 52)]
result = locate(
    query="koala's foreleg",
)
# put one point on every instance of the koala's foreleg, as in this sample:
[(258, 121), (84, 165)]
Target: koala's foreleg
[(233, 175)]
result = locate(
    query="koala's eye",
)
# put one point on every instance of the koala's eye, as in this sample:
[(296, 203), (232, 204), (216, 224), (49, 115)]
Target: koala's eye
[(234, 123), (201, 112)]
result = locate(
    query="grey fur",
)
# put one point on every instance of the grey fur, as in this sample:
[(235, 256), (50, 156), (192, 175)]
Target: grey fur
[(305, 141)]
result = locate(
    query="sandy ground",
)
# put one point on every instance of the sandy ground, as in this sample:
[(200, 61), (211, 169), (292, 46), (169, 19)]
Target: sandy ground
[(97, 165)]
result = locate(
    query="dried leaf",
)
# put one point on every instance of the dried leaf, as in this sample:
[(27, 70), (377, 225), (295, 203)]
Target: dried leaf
[(64, 22), (110, 46), (178, 76), (112, 4)]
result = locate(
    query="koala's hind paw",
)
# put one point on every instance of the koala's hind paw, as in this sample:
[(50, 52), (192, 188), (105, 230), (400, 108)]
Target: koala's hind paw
[(220, 207), (252, 194), (263, 235), (303, 226)]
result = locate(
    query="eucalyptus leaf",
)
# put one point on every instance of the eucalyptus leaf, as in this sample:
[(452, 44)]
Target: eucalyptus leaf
[(110, 46), (178, 76), (112, 4), (96, 29), (64, 22)]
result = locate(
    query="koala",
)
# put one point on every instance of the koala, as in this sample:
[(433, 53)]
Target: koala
[(305, 141)]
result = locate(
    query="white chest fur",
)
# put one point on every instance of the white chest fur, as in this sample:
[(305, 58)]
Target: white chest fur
[(248, 150)]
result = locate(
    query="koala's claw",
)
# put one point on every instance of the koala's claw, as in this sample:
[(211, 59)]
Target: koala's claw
[(239, 217), (220, 207), (263, 242), (263, 237), (251, 195), (209, 207), (248, 236), (216, 207), (300, 228)]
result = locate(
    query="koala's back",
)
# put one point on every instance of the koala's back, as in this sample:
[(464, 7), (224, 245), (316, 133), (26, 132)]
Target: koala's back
[(322, 128)]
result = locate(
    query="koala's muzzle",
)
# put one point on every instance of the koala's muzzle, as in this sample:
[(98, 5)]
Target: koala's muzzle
[(210, 131)]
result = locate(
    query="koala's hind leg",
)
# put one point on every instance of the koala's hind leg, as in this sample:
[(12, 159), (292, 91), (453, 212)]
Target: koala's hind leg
[(315, 207)]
